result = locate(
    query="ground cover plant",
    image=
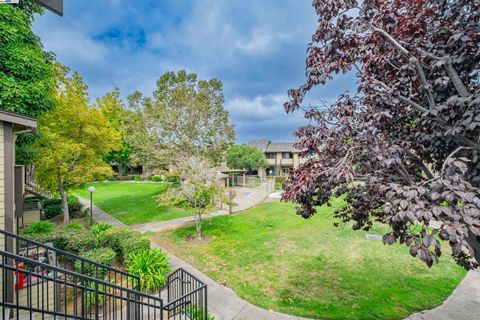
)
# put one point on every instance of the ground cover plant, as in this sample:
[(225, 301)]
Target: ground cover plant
[(277, 260), (132, 202)]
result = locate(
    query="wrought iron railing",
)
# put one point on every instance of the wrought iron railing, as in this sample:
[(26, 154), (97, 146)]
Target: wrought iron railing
[(49, 282), (186, 296), (51, 292), (44, 253)]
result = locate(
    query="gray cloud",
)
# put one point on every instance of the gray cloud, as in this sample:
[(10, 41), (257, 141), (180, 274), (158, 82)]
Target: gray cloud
[(256, 48)]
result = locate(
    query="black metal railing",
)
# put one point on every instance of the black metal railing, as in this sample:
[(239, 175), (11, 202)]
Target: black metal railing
[(48, 254), (186, 296), (45, 291)]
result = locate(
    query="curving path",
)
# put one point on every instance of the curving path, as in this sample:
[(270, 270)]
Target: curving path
[(224, 304), (245, 198)]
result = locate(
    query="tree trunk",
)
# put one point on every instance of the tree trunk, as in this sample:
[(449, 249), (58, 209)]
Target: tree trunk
[(63, 197), (198, 222)]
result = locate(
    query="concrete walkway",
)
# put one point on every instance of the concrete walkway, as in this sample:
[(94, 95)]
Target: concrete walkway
[(463, 303), (99, 215), (245, 198), (224, 304)]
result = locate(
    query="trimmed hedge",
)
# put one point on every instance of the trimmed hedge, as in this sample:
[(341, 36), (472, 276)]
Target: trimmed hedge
[(105, 256), (52, 207), (123, 241), (74, 241), (41, 237), (134, 245)]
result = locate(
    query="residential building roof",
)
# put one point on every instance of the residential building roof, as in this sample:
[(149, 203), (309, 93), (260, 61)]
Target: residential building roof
[(268, 146), (259, 144), (18, 119)]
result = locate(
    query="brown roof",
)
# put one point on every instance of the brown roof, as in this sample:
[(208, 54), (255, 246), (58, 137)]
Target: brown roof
[(268, 146), (12, 117)]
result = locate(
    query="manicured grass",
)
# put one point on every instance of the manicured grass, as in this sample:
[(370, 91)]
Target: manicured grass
[(279, 261), (134, 198)]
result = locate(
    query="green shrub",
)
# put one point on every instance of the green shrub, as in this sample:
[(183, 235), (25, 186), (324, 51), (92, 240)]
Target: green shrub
[(196, 313), (40, 237), (74, 241), (172, 177), (125, 178), (60, 240), (279, 181), (33, 199), (90, 296), (52, 207), (98, 228), (156, 178), (38, 227), (73, 226), (152, 268), (104, 256), (74, 207), (137, 178), (112, 238), (133, 245)]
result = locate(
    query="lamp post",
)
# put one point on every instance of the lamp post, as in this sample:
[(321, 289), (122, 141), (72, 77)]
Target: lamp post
[(91, 189)]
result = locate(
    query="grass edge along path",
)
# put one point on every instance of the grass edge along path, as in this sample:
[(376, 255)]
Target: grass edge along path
[(279, 261)]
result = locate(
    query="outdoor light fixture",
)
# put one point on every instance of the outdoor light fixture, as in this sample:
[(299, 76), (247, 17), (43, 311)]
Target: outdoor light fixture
[(91, 189)]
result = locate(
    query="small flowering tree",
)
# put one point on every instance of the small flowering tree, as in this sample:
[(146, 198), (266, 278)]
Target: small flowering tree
[(197, 189)]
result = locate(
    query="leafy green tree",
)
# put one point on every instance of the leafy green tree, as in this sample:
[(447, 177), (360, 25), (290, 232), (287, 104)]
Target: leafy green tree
[(73, 139), (145, 148), (188, 118), (113, 109), (241, 156), (26, 70)]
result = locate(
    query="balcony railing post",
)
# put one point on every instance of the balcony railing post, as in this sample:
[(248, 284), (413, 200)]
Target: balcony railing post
[(96, 302)]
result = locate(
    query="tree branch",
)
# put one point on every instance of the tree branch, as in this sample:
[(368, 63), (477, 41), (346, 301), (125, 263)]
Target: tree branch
[(72, 164), (457, 82), (441, 122), (452, 73), (421, 164), (449, 157), (415, 61)]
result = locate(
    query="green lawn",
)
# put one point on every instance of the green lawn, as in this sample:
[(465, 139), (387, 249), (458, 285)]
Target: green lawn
[(134, 198), (279, 261)]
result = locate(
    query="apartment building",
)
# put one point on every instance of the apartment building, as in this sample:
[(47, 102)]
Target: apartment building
[(282, 157)]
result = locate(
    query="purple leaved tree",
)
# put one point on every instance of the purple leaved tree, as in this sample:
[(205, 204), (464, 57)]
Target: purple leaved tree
[(404, 149)]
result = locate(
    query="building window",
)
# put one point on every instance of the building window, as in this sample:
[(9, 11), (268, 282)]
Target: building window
[(270, 155), (287, 155), (270, 171), (286, 171)]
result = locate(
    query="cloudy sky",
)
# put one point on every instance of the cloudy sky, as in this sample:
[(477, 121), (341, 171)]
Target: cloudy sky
[(256, 48)]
